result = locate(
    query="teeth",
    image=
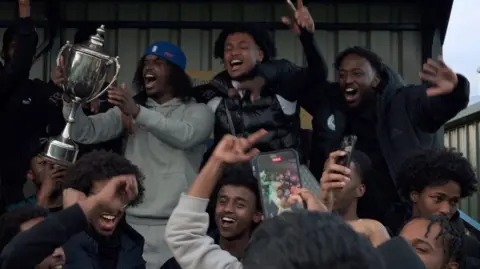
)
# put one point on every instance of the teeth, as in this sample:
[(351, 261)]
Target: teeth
[(228, 219), (235, 62), (149, 76), (108, 217), (60, 266), (349, 90)]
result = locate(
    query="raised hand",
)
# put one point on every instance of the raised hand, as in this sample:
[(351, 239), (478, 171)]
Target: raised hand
[(116, 195), (443, 79), (122, 98), (299, 18), (49, 177), (58, 74), (334, 177), (233, 149)]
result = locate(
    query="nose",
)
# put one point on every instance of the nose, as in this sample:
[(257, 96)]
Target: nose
[(446, 209), (58, 253), (228, 208), (348, 79)]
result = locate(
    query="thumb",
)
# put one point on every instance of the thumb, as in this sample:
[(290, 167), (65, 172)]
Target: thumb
[(124, 86), (287, 21)]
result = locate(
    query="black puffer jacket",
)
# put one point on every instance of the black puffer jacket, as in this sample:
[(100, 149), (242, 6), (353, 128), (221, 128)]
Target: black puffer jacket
[(239, 116)]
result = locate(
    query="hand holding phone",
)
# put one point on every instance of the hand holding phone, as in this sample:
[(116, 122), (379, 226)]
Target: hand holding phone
[(347, 146)]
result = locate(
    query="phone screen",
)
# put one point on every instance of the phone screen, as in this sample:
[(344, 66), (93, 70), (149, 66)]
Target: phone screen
[(279, 180)]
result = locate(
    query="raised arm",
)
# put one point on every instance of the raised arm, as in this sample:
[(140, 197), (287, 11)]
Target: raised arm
[(191, 130), (18, 67), (432, 107), (96, 128)]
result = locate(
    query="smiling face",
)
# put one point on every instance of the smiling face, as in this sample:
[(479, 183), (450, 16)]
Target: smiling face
[(357, 79), (155, 74), (236, 211), (57, 259), (240, 54), (107, 222)]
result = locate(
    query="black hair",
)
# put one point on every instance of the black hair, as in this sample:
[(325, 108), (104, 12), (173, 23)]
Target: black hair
[(363, 165), (241, 175), (452, 237), (10, 222), (179, 80), (305, 240), (83, 34), (374, 60), (435, 167), (100, 165), (261, 37)]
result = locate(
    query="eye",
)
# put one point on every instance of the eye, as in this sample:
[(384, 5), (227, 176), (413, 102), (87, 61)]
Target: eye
[(239, 205), (421, 250), (437, 199)]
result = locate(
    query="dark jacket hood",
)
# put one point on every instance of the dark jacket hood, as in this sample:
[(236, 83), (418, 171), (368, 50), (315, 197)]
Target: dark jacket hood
[(390, 82)]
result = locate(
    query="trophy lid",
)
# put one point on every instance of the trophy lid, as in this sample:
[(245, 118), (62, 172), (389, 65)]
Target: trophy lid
[(96, 41)]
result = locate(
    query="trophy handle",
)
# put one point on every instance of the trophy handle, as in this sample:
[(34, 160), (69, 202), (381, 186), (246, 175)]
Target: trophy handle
[(60, 54), (117, 70)]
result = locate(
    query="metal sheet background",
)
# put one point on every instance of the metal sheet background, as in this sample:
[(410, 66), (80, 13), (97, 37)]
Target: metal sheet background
[(399, 49)]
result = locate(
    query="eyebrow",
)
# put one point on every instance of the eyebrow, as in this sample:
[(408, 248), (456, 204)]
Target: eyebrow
[(421, 241), (237, 198)]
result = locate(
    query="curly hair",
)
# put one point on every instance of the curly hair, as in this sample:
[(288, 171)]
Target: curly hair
[(100, 165), (374, 60), (179, 80), (297, 240), (241, 175), (452, 238), (261, 37), (435, 167), (10, 222)]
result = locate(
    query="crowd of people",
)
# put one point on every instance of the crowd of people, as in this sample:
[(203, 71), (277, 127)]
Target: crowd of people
[(146, 192)]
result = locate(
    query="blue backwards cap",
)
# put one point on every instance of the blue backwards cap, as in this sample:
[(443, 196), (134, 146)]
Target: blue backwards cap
[(169, 52)]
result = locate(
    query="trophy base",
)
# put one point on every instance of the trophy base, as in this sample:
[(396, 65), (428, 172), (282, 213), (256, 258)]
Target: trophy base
[(61, 151)]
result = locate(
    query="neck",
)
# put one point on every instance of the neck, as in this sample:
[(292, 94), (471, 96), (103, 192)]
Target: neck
[(235, 247), (415, 212), (163, 98), (350, 212)]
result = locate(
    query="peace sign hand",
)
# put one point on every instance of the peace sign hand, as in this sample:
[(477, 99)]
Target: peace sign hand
[(300, 18), (444, 80), (233, 149)]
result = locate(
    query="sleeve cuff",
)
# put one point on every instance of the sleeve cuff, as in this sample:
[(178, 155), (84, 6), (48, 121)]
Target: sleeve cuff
[(144, 116), (192, 204)]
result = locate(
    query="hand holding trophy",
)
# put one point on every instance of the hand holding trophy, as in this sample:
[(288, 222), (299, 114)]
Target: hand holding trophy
[(84, 69)]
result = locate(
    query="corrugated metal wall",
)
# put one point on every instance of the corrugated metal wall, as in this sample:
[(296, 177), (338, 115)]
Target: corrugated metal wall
[(466, 139), (401, 50)]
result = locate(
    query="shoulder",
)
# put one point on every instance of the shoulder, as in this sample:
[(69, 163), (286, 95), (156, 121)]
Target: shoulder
[(199, 109)]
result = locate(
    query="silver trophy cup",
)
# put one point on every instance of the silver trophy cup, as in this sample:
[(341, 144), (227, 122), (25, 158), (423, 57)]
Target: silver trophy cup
[(86, 67)]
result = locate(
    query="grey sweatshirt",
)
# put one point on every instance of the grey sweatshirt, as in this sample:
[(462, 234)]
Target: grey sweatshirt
[(167, 146), (186, 235)]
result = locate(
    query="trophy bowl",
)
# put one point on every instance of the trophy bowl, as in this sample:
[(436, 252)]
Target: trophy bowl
[(85, 67)]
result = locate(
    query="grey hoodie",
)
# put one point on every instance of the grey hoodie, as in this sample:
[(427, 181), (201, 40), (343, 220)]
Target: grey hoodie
[(167, 146)]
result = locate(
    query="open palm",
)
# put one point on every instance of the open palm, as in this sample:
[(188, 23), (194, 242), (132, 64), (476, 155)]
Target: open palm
[(443, 79), (233, 149)]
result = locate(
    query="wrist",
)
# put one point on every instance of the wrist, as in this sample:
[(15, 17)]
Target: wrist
[(136, 111), (89, 207)]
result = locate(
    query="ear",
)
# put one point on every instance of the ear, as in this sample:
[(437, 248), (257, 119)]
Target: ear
[(260, 56), (258, 217), (414, 196), (360, 191), (376, 81), (452, 265)]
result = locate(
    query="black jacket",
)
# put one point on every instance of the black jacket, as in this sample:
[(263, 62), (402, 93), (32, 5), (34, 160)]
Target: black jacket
[(30, 110), (41, 240), (246, 117)]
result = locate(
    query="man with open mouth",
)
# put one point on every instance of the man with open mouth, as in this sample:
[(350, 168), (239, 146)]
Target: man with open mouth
[(243, 100)]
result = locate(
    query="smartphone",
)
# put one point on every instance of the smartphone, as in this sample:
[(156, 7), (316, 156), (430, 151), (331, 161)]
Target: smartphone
[(348, 145), (279, 181)]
